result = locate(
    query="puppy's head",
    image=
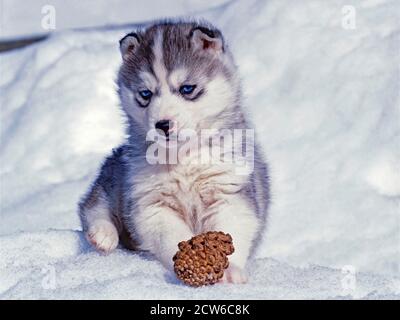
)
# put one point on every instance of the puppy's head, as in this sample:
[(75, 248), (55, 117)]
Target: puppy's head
[(177, 76)]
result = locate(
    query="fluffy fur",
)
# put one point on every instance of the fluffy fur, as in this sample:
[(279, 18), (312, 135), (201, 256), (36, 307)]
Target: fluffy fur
[(154, 206)]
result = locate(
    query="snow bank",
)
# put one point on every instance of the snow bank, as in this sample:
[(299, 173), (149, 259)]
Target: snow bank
[(325, 103), (58, 264), (21, 20)]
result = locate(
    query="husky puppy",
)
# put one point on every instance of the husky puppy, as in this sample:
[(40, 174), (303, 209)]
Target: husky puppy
[(176, 75)]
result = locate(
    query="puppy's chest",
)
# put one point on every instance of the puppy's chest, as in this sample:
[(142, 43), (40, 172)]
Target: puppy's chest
[(192, 192)]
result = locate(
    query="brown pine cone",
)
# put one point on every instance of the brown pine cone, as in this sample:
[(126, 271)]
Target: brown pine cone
[(203, 259)]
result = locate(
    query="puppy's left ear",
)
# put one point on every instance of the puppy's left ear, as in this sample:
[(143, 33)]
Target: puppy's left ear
[(129, 44), (207, 41)]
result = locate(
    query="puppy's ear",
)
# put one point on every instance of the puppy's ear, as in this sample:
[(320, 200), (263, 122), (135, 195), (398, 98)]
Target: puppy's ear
[(129, 44), (206, 40)]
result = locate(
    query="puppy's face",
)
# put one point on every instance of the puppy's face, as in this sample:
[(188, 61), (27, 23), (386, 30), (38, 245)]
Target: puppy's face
[(176, 76)]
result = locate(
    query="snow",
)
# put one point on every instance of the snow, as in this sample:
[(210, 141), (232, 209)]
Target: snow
[(384, 174), (325, 103), (19, 20), (68, 269)]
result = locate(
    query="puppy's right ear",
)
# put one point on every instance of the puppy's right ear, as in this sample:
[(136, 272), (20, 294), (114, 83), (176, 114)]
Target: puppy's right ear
[(129, 44), (206, 40)]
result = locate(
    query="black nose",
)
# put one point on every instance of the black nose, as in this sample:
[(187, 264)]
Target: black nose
[(165, 126)]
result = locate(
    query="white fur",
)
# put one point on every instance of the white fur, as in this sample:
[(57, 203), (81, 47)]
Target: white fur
[(171, 106), (181, 201), (178, 202), (175, 202), (102, 232)]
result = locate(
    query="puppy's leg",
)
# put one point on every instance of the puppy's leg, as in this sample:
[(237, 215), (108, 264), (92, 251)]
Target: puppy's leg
[(160, 230), (97, 221), (237, 218)]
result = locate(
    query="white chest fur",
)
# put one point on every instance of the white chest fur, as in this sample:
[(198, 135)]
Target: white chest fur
[(193, 192)]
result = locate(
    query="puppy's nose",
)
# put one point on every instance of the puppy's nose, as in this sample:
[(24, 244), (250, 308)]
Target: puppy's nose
[(165, 126)]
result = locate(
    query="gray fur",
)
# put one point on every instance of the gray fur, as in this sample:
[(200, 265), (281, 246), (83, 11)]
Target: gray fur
[(113, 183)]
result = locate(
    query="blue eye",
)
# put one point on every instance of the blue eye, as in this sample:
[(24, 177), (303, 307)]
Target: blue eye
[(187, 89), (146, 94)]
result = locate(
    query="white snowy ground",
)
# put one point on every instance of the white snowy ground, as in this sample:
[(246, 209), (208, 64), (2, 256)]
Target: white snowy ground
[(59, 265), (325, 102)]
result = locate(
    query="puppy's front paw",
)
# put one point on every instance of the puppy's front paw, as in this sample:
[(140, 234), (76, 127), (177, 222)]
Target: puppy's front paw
[(103, 236), (235, 275)]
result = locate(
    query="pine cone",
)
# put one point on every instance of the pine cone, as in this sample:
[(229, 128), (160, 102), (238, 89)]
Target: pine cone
[(203, 259)]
